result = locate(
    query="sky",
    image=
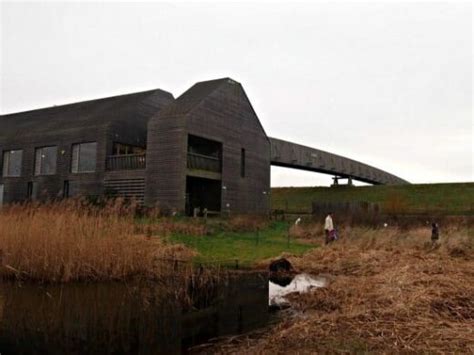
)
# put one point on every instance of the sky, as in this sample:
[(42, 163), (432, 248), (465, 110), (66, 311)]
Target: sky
[(385, 83)]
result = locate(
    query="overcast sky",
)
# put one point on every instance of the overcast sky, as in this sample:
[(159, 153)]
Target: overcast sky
[(389, 84)]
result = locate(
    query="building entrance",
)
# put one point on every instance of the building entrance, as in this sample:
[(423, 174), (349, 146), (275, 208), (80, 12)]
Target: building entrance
[(202, 194)]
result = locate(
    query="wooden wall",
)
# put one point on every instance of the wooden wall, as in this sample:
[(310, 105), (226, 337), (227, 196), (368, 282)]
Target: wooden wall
[(228, 117), (223, 114), (123, 119), (165, 182), (51, 186)]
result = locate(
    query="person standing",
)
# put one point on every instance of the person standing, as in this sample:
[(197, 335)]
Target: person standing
[(328, 227)]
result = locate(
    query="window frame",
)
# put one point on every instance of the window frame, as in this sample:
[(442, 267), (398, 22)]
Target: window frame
[(40, 173), (6, 165), (77, 170), (32, 190), (66, 189)]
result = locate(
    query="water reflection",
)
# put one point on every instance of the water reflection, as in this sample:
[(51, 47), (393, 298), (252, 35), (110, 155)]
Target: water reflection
[(278, 288), (119, 318)]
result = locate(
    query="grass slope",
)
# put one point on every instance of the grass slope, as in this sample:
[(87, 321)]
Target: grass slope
[(225, 247), (456, 198)]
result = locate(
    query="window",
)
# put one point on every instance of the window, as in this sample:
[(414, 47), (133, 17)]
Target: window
[(66, 189), (12, 160), (203, 146), (242, 162), (45, 160), (84, 157), (32, 190)]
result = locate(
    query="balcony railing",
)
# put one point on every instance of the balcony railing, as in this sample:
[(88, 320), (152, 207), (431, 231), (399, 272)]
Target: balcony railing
[(204, 162), (126, 162)]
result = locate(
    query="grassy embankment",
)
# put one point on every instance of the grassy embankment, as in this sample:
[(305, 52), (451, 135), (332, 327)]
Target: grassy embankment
[(389, 291), (74, 241), (452, 199)]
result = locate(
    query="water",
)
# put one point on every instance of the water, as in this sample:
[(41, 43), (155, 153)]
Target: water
[(120, 318), (279, 288)]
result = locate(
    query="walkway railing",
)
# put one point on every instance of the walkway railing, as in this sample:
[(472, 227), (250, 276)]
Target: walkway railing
[(126, 162), (204, 162)]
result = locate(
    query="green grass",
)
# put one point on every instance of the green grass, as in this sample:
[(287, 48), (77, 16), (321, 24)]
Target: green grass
[(455, 198), (225, 247)]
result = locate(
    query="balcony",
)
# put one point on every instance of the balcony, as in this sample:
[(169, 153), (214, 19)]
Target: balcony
[(126, 162), (204, 162)]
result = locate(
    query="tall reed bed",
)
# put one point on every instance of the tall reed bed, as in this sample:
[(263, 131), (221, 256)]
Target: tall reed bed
[(74, 240)]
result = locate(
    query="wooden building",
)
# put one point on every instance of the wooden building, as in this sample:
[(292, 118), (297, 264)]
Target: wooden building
[(204, 150)]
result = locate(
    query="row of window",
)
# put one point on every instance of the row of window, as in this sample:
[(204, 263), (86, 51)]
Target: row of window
[(32, 190), (83, 160)]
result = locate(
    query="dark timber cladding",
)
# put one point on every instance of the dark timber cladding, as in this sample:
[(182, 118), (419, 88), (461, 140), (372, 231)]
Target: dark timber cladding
[(121, 119), (204, 151), (218, 111)]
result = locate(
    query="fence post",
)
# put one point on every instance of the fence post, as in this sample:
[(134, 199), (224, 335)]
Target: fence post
[(288, 236)]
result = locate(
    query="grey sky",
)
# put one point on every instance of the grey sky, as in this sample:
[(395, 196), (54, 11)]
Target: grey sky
[(388, 84)]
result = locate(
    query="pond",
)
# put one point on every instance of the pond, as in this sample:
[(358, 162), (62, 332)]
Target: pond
[(121, 318)]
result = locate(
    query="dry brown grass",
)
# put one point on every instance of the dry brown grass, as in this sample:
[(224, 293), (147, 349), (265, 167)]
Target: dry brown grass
[(246, 223), (309, 231), (167, 226), (73, 240), (389, 292)]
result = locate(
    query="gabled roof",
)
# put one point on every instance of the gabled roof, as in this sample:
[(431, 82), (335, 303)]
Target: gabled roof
[(193, 96), (138, 107), (197, 93), (93, 113)]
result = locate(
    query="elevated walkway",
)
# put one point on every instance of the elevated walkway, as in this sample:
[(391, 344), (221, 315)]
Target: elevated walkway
[(296, 156)]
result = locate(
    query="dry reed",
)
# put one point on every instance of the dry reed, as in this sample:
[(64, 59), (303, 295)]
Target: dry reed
[(246, 223), (309, 231), (73, 240), (390, 291), (168, 226), (165, 226)]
